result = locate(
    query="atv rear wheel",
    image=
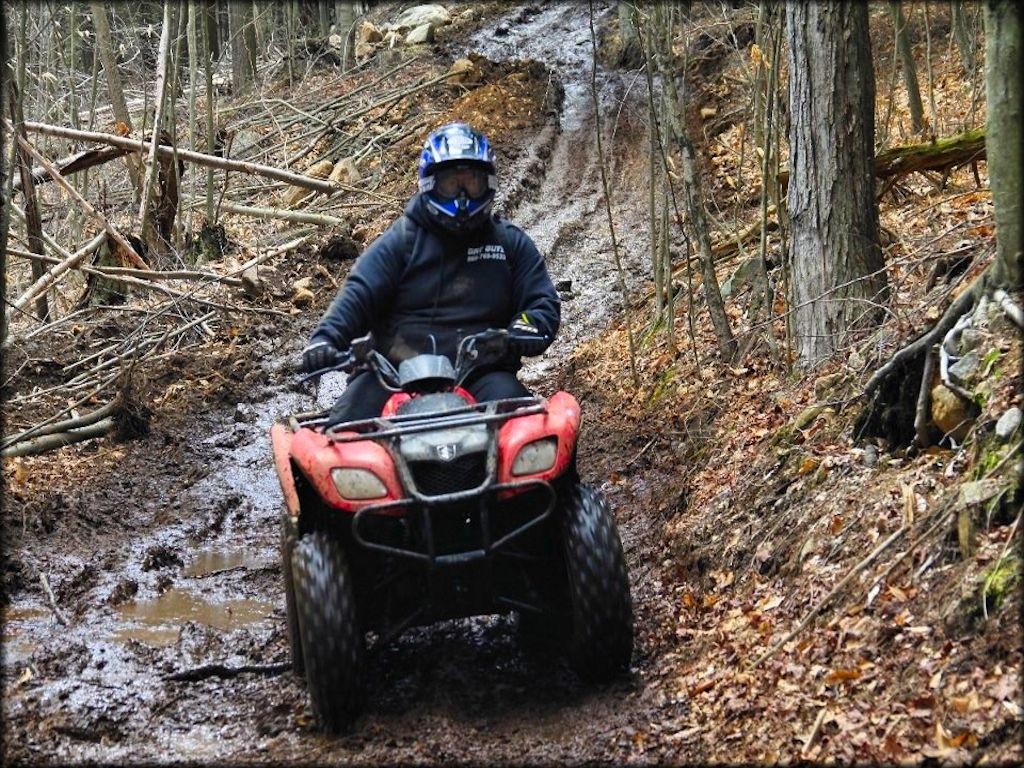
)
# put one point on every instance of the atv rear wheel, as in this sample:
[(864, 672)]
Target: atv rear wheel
[(294, 643), (601, 639), (333, 645)]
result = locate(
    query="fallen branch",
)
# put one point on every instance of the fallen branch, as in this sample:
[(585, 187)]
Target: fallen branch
[(831, 595), (67, 425), (51, 599), (84, 204), (198, 158), (50, 277), (58, 439), (1010, 309), (301, 217), (81, 161), (220, 670)]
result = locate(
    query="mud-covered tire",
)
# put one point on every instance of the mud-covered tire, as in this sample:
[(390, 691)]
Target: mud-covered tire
[(333, 645), (294, 642), (601, 639)]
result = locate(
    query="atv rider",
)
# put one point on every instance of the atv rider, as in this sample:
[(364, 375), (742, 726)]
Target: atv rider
[(447, 268)]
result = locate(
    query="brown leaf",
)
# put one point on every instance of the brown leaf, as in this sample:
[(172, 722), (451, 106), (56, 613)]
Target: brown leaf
[(842, 675), (837, 524)]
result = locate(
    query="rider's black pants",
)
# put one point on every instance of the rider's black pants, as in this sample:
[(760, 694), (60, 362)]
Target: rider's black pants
[(364, 397)]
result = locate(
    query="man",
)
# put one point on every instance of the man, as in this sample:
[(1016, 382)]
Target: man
[(445, 269)]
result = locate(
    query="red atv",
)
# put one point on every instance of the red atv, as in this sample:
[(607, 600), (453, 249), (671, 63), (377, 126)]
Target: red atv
[(442, 508)]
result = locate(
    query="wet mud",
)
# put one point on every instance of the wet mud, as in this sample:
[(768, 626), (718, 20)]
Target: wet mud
[(172, 564)]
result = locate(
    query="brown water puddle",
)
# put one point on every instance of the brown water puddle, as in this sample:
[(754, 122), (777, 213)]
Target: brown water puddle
[(212, 561), (158, 621), (17, 647)]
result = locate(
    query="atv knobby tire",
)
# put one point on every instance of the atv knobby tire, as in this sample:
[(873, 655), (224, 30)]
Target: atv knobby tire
[(333, 645), (601, 640), (294, 643)]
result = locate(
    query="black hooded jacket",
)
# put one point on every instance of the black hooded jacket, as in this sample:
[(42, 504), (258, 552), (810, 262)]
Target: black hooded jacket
[(446, 286)]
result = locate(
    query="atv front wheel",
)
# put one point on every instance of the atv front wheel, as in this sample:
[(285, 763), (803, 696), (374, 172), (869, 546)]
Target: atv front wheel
[(294, 643), (332, 642), (601, 640)]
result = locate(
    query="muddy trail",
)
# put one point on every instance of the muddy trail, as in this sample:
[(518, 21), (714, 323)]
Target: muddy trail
[(165, 636)]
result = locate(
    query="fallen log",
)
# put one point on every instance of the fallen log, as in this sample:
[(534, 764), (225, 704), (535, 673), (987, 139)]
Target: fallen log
[(937, 155), (81, 161), (58, 439), (198, 158)]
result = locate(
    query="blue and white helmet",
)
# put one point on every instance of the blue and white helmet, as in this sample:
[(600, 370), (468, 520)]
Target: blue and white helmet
[(458, 177)]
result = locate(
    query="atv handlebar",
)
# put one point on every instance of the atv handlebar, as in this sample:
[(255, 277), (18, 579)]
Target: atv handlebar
[(476, 349)]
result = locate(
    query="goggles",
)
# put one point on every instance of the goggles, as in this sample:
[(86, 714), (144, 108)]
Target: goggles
[(450, 180)]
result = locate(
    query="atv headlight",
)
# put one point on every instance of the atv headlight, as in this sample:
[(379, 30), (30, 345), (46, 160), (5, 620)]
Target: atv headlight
[(357, 484), (537, 456)]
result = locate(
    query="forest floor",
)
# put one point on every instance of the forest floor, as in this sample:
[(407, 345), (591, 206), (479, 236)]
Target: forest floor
[(742, 497)]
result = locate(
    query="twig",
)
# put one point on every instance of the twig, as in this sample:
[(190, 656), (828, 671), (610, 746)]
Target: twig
[(58, 614), (220, 670), (815, 731), (831, 595), (302, 217)]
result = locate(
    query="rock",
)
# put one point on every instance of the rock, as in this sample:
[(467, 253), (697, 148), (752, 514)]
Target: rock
[(345, 172), (977, 492), (302, 284), (824, 384), (294, 195), (433, 14), (335, 41), (855, 361), (303, 297), (424, 33), (951, 413), (368, 33), (870, 455), (563, 285), (963, 370), (970, 339), (251, 282), (365, 50), (464, 72), (320, 170), (244, 414), (1008, 424)]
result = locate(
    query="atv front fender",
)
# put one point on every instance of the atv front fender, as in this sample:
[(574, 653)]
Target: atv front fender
[(281, 442)]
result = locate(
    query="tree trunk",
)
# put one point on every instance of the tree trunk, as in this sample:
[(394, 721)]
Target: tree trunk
[(837, 272), (1003, 60), (211, 25), (112, 73), (630, 54), (5, 176), (243, 46), (909, 68), (324, 11), (694, 197), (963, 34), (33, 223), (345, 16)]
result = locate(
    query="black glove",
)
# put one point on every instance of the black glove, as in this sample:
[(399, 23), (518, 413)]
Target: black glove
[(319, 355), (524, 338)]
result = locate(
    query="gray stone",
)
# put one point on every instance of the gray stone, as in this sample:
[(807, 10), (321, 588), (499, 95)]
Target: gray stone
[(1008, 424), (421, 34), (417, 16), (963, 370), (970, 339), (870, 455)]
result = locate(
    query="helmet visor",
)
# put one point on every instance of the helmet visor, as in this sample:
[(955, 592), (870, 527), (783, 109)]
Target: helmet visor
[(450, 180)]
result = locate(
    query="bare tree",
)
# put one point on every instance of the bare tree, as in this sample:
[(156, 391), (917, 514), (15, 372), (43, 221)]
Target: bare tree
[(243, 45), (963, 33), (906, 54), (6, 178), (114, 87), (837, 273), (1003, 60)]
